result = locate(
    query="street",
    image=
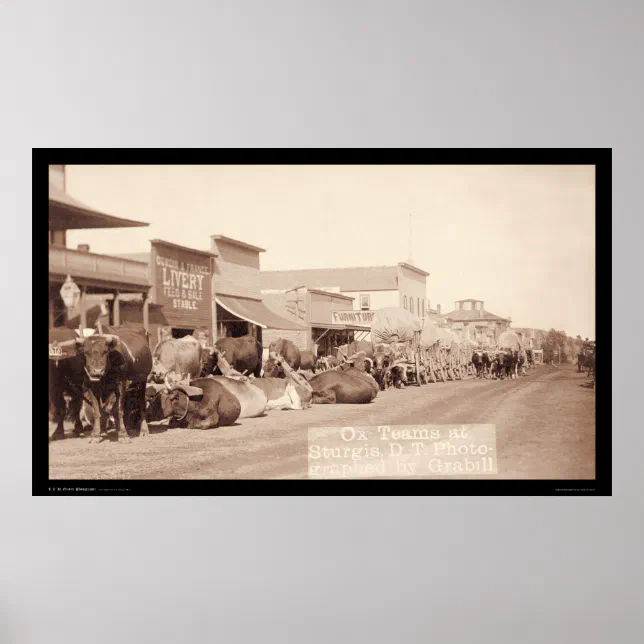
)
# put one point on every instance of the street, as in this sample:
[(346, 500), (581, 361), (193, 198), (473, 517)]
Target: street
[(545, 428)]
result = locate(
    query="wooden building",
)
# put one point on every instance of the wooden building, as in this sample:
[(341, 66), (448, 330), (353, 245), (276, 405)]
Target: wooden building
[(212, 294), (94, 274), (329, 318), (237, 294), (371, 287)]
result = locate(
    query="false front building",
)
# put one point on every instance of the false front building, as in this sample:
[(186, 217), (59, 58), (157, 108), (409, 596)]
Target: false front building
[(337, 304)]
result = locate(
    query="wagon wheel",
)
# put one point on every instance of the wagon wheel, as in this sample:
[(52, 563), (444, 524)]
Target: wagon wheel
[(432, 375)]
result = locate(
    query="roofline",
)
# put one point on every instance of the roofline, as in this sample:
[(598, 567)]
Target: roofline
[(111, 221), (236, 242), (331, 293), (482, 318), (185, 248), (336, 268), (61, 199), (414, 268)]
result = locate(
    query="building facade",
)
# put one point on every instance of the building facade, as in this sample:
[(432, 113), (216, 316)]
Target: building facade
[(329, 318), (371, 287), (239, 307), (211, 294), (95, 275), (470, 318)]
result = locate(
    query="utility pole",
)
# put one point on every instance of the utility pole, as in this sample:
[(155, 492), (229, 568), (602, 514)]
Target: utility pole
[(409, 258)]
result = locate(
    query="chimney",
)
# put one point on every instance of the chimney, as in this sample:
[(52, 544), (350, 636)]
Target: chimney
[(438, 308), (83, 248)]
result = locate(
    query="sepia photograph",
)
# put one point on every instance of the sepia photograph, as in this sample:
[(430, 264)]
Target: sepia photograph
[(335, 322)]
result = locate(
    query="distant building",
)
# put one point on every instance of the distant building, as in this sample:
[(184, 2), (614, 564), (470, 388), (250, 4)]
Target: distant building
[(371, 287), (470, 317), (533, 338)]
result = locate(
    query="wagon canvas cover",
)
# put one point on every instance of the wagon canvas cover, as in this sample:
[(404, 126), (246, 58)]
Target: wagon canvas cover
[(431, 333), (394, 324), (509, 340)]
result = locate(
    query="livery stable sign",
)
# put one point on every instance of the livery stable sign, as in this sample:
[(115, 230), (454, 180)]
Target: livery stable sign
[(359, 318), (182, 285)]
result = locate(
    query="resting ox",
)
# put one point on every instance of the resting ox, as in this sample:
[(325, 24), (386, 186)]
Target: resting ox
[(65, 377), (204, 404), (114, 363), (341, 387), (252, 399), (298, 388)]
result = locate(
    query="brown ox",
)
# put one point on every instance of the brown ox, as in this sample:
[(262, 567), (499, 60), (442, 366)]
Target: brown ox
[(205, 404), (289, 353), (244, 354)]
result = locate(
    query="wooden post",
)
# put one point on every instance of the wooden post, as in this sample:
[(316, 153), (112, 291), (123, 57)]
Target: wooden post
[(51, 312), (116, 309), (146, 312), (83, 307)]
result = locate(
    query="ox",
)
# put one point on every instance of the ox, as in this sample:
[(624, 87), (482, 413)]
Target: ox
[(296, 387), (289, 353), (253, 400), (183, 358), (115, 362), (65, 377), (308, 360), (205, 404), (477, 361), (340, 387), (244, 354)]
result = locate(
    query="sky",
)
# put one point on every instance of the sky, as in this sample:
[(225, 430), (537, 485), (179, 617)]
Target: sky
[(520, 238)]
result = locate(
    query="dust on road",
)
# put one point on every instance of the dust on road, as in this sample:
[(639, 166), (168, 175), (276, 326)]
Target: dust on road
[(545, 428)]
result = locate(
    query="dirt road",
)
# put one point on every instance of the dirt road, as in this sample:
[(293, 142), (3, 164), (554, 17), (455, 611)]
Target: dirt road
[(545, 428)]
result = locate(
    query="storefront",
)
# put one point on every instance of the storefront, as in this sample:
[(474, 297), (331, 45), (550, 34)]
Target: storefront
[(239, 308), (327, 318), (94, 275)]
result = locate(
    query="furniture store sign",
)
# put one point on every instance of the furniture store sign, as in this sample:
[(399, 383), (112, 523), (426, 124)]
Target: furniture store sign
[(362, 318)]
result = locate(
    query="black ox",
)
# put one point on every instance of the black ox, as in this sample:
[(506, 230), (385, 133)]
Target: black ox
[(65, 378)]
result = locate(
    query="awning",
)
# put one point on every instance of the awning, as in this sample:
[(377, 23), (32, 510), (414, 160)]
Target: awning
[(256, 312), (340, 327), (66, 213)]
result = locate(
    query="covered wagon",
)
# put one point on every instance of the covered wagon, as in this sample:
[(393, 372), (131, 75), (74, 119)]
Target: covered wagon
[(398, 332)]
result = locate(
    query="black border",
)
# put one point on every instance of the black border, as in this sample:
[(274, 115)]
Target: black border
[(601, 158)]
